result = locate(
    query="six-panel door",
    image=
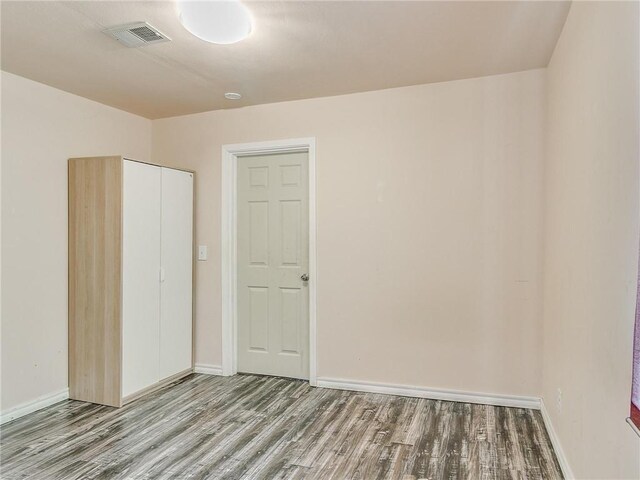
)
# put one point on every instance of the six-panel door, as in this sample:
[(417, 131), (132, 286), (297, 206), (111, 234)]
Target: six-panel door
[(273, 251)]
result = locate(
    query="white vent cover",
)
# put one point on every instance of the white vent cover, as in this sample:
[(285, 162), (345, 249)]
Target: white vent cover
[(136, 34)]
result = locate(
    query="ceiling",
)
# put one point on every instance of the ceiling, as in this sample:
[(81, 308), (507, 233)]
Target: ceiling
[(297, 50)]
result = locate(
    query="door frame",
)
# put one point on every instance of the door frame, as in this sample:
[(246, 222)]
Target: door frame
[(229, 228)]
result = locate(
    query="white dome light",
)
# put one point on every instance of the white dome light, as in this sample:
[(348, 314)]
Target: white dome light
[(216, 21)]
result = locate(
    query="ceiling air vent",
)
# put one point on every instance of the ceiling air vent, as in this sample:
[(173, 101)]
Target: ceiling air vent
[(135, 35)]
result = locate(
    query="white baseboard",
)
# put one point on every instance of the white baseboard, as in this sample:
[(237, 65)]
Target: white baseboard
[(208, 369), (34, 405), (555, 441), (432, 393)]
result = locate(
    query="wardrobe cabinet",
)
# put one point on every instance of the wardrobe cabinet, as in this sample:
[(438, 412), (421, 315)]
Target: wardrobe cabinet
[(130, 278)]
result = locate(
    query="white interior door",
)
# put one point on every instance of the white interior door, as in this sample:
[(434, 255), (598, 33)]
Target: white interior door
[(273, 257), (176, 279), (140, 276)]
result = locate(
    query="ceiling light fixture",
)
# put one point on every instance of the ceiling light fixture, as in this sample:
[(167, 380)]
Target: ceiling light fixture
[(232, 96), (222, 21)]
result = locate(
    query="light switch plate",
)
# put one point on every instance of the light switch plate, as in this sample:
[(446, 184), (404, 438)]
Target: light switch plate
[(202, 252)]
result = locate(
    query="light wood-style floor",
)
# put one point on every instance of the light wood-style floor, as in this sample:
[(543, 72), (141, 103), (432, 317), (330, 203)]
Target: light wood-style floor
[(253, 427)]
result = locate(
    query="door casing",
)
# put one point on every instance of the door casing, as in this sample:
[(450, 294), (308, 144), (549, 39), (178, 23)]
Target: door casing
[(230, 154)]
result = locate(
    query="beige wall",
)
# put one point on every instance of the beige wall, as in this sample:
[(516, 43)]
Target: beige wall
[(429, 215), (591, 237), (41, 128)]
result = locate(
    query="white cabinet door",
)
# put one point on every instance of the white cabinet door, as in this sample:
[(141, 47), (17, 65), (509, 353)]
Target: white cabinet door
[(176, 258), (140, 276)]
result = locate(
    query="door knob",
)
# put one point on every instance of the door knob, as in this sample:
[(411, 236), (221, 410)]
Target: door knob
[(304, 277)]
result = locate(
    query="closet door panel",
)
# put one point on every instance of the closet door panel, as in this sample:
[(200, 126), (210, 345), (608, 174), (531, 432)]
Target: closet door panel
[(177, 262), (140, 276)]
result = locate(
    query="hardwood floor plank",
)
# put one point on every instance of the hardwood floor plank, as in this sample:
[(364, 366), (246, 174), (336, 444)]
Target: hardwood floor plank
[(258, 427)]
